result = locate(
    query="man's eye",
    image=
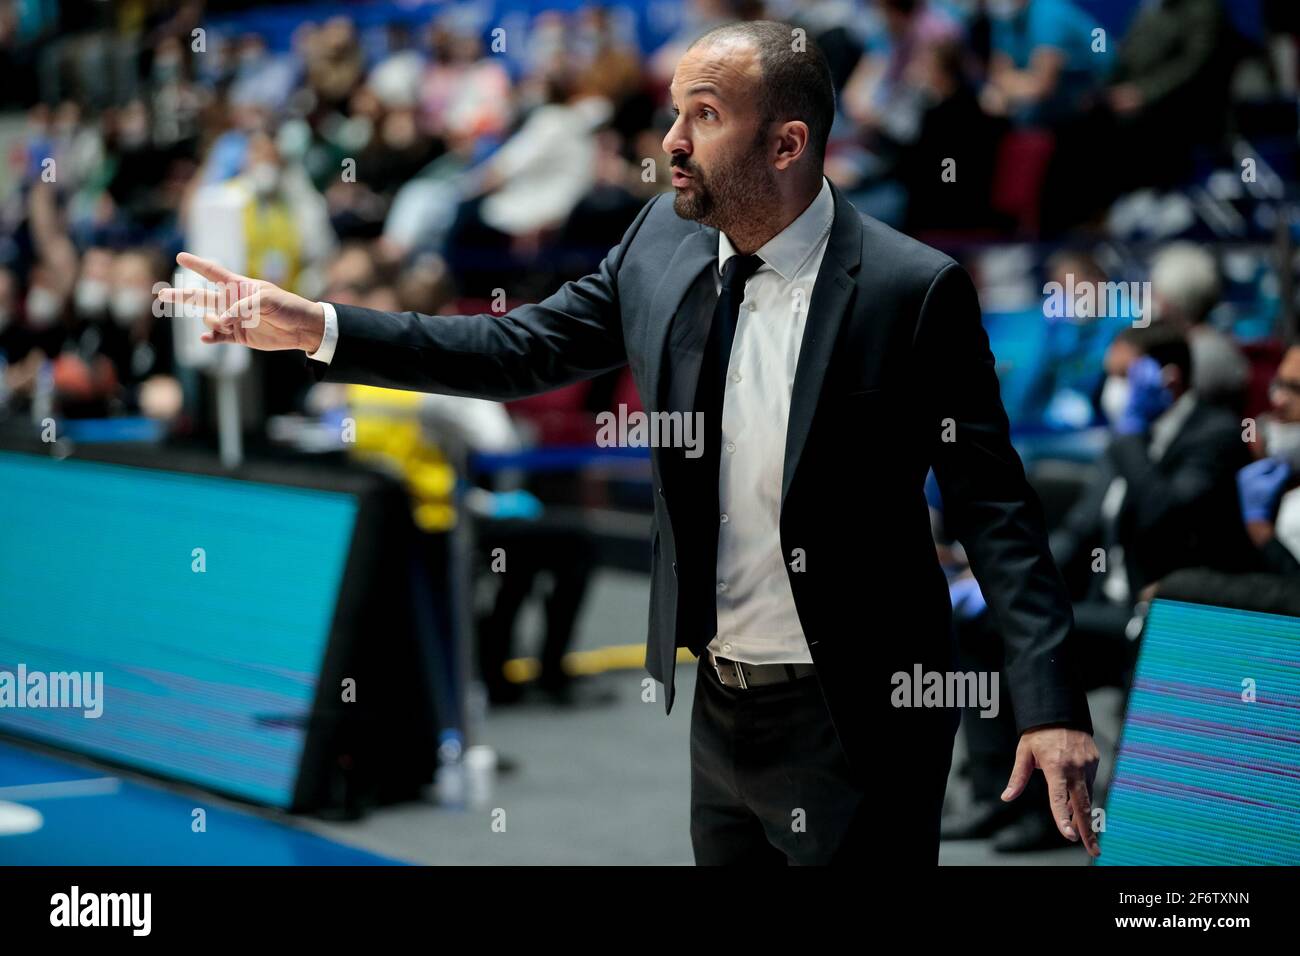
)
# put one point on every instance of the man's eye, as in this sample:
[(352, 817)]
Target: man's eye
[(706, 113)]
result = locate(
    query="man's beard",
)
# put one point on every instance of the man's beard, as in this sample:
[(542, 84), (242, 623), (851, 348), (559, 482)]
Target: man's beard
[(730, 193)]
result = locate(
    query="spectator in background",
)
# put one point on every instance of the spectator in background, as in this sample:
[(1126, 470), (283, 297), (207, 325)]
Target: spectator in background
[(698, 17), (176, 101), (335, 63), (94, 288), (1167, 95), (1169, 497), (603, 215), (1043, 66), (555, 564), (272, 217), (1070, 371), (884, 95), (77, 148), (464, 96), (286, 230), (135, 167), (91, 337), (82, 377), (13, 338), (953, 130), (47, 309), (884, 99), (529, 186), (142, 355), (1170, 83), (1163, 498), (351, 273), (260, 78), (1185, 289), (1269, 487), (606, 65), (398, 147)]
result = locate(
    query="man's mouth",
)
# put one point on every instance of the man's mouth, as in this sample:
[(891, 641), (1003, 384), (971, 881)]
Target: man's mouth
[(680, 178)]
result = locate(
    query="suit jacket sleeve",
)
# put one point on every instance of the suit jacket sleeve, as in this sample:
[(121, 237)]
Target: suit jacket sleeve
[(992, 510), (572, 335)]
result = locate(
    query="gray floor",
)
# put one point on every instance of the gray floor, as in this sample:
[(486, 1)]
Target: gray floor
[(608, 785)]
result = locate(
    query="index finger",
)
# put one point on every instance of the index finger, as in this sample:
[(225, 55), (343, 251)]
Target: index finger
[(1082, 801), (210, 270), (1058, 794)]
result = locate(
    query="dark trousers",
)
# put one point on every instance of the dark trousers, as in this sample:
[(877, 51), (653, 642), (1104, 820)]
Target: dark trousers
[(567, 557), (770, 784)]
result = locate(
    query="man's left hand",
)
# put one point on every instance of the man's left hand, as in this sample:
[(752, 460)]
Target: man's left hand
[(1068, 759)]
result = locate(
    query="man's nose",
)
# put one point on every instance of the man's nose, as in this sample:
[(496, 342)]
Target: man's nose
[(675, 141)]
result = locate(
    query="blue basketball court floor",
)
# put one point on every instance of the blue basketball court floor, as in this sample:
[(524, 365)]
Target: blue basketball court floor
[(57, 813)]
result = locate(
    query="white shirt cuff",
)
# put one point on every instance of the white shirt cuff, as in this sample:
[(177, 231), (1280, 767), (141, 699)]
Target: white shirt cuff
[(331, 337)]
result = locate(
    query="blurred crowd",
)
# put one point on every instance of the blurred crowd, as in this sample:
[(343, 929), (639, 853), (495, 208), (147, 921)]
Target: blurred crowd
[(447, 161), (1187, 499)]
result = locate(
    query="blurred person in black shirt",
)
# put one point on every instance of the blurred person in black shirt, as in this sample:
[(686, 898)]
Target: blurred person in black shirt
[(1165, 494), (47, 310), (141, 352), (953, 130), (54, 337), (1167, 97)]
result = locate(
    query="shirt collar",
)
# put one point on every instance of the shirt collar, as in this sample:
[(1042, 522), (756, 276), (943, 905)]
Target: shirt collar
[(1166, 428), (789, 249)]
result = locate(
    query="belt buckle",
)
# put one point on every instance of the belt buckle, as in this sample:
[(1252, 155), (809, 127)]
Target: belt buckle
[(735, 668)]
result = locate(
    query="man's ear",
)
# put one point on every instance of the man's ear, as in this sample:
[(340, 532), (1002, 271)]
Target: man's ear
[(791, 142)]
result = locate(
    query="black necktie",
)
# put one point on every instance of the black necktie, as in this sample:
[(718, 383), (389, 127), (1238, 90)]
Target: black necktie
[(722, 332), (708, 400)]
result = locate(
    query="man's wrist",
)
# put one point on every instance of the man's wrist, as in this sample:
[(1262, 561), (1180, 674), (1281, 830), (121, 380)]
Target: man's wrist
[(1065, 725), (1260, 530), (314, 335), (321, 349)]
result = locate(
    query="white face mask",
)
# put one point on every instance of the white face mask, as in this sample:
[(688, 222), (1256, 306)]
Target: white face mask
[(1114, 397), (264, 178), (43, 308), (1282, 440), (128, 305), (90, 298)]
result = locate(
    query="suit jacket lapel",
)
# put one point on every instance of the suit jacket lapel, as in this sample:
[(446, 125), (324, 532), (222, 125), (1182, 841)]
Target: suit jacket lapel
[(831, 295), (697, 251)]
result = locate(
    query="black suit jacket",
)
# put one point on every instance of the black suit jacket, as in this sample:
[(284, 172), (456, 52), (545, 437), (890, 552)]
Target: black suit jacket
[(894, 361)]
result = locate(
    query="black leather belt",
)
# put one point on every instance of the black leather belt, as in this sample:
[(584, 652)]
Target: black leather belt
[(744, 676)]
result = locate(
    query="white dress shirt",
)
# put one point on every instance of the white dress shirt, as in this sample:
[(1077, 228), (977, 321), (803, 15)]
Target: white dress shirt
[(757, 620), (325, 353)]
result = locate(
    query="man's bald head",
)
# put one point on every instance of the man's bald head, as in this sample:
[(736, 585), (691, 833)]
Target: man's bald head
[(794, 79)]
